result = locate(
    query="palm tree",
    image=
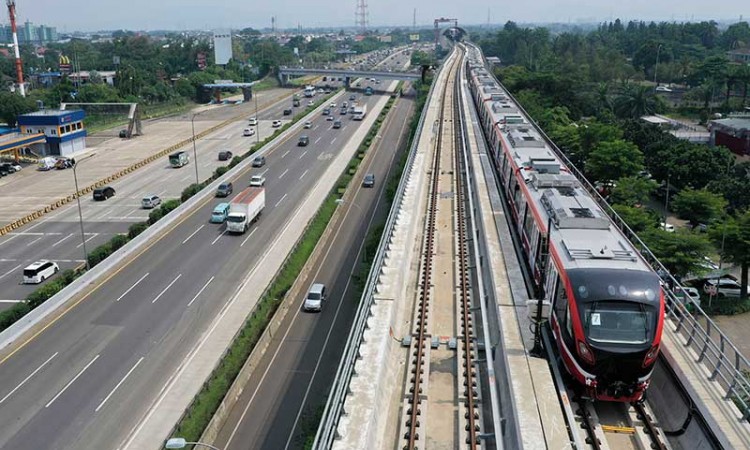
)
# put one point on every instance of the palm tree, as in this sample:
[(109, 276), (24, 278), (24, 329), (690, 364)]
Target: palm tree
[(603, 102), (634, 101)]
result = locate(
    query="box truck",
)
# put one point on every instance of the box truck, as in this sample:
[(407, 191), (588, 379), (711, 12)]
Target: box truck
[(245, 208), (178, 159)]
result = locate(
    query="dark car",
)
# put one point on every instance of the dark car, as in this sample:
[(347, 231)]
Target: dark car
[(259, 161), (123, 133), (287, 112), (104, 193), (3, 171), (225, 155), (369, 180), (337, 124), (224, 189), (303, 141)]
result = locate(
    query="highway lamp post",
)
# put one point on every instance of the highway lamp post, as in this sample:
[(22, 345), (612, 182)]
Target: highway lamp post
[(257, 121), (80, 213), (182, 443), (195, 152), (666, 202)]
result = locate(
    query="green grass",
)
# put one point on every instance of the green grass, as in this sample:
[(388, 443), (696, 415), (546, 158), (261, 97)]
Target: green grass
[(96, 122)]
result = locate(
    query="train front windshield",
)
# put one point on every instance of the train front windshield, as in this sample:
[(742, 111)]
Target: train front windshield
[(616, 322)]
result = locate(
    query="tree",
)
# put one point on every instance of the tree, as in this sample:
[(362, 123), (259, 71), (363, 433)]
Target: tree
[(635, 100), (632, 191), (12, 106), (698, 206), (610, 161), (734, 186), (638, 219), (733, 236), (681, 252)]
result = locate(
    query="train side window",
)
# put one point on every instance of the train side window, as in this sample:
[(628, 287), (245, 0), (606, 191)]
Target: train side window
[(568, 322), (517, 197)]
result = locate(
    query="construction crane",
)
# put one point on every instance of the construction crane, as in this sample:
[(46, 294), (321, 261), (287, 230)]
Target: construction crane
[(439, 21), (19, 65)]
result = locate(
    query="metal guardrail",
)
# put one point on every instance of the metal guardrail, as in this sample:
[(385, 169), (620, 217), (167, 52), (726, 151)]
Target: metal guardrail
[(329, 421), (715, 350)]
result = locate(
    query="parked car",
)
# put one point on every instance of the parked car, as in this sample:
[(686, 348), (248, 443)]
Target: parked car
[(303, 141), (248, 132), (104, 193), (257, 181), (688, 292), (276, 123), (308, 124), (123, 133), (259, 161), (253, 122), (150, 201), (315, 297), (369, 180), (663, 89), (727, 287), (64, 163), (10, 167), (225, 155), (4, 172), (220, 213), (224, 189), (668, 227)]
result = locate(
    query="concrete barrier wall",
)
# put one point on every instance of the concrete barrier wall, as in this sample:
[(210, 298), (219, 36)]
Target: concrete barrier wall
[(76, 291)]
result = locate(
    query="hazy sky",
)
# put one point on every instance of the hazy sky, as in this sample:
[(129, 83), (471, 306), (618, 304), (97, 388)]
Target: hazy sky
[(88, 15)]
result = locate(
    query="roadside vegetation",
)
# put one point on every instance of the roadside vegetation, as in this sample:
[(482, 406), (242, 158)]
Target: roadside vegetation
[(588, 92)]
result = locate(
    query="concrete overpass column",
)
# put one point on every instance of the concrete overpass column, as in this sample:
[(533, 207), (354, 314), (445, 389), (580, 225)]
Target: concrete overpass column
[(347, 82), (247, 93)]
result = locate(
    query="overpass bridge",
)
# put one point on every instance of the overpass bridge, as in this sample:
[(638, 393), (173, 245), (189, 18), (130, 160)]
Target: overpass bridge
[(286, 72)]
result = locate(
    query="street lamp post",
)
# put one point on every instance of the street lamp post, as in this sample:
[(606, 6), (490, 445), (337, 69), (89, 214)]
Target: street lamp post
[(181, 443), (195, 152), (257, 122), (80, 214), (656, 67)]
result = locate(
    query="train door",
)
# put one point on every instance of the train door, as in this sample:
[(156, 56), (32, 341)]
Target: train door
[(561, 309)]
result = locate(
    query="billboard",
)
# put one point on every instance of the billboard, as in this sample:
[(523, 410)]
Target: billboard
[(222, 46), (385, 38), (413, 37)]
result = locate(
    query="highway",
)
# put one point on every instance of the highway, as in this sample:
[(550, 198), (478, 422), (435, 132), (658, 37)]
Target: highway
[(57, 236), (86, 379), (302, 361)]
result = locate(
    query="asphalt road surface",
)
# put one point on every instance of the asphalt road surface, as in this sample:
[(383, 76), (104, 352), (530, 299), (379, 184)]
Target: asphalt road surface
[(84, 381), (276, 404)]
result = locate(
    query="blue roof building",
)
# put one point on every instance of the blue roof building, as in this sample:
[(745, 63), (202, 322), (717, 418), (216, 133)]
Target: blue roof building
[(63, 130)]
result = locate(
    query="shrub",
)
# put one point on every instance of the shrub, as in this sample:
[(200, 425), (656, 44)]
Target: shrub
[(220, 171), (168, 206), (117, 242), (155, 215), (41, 295), (236, 160), (136, 229), (13, 314), (99, 254), (189, 192)]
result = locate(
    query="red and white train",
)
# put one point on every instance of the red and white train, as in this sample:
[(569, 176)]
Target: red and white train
[(607, 303)]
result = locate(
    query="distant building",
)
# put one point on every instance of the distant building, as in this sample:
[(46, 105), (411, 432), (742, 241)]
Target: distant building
[(732, 133), (28, 33), (739, 55), (64, 131)]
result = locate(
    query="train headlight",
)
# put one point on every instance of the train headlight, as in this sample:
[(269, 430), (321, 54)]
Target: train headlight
[(651, 356), (585, 352)]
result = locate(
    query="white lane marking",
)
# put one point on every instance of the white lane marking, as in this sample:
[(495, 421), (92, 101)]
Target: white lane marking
[(186, 178), (165, 289), (87, 240), (71, 381), (302, 154), (263, 173), (28, 378), (285, 153), (10, 271), (283, 173), (318, 140), (219, 237), (334, 140), (131, 287), (201, 291), (61, 240), (248, 236), (12, 301), (118, 385), (194, 233), (280, 200), (303, 174), (26, 233), (34, 241)]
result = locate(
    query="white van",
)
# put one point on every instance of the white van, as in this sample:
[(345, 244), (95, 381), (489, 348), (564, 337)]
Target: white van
[(39, 271), (316, 295)]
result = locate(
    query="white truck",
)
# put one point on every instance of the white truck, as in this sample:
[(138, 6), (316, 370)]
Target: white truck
[(359, 112), (245, 208)]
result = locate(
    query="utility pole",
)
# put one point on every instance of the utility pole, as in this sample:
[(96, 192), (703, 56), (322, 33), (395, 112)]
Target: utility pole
[(414, 20), (16, 50)]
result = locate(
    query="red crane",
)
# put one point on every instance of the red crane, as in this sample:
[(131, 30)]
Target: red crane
[(19, 65)]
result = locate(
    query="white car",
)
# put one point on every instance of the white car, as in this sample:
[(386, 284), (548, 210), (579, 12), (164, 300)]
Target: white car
[(308, 124), (668, 227), (727, 287), (276, 123), (689, 292), (248, 132), (253, 122), (310, 103), (663, 89), (39, 271), (150, 201), (257, 181), (332, 105)]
